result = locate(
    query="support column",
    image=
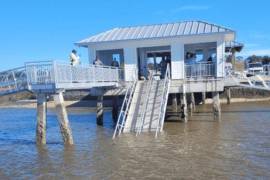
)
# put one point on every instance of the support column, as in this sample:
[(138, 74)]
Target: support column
[(174, 103), (100, 110), (216, 106), (184, 114), (203, 97), (63, 119), (41, 119), (193, 102), (228, 95), (115, 108)]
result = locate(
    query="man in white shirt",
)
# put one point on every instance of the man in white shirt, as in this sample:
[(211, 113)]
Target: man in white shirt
[(74, 59), (98, 62)]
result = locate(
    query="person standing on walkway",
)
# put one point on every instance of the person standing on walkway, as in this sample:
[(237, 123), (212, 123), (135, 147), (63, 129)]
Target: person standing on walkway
[(74, 59), (115, 63), (98, 62)]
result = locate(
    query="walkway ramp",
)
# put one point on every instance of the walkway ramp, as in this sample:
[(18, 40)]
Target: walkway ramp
[(13, 81), (51, 77), (146, 109), (241, 79)]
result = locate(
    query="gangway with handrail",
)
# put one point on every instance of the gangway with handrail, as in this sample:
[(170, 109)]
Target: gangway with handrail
[(241, 79), (52, 76), (145, 107)]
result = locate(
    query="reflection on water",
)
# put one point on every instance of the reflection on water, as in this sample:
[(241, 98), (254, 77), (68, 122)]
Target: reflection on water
[(237, 147)]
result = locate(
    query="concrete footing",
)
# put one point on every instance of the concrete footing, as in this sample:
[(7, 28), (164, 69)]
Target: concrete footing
[(100, 110), (63, 119), (216, 106), (41, 119), (115, 108)]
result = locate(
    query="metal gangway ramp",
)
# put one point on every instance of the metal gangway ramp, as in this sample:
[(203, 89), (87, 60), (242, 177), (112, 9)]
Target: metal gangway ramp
[(144, 106), (241, 79), (13, 81), (52, 76)]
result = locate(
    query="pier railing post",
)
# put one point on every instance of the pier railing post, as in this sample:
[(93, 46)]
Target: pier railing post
[(41, 119), (63, 118), (216, 106), (100, 110)]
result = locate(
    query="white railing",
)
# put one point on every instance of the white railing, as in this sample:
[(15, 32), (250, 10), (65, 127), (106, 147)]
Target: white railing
[(165, 95), (13, 80), (51, 72), (200, 70)]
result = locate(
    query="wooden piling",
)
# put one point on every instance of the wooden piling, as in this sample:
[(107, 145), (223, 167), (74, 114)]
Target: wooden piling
[(115, 108), (41, 119), (184, 114), (228, 95), (216, 106), (100, 110), (63, 119), (203, 97), (174, 102), (193, 102)]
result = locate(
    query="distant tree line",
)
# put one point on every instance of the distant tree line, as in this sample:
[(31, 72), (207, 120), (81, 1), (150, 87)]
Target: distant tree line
[(262, 59)]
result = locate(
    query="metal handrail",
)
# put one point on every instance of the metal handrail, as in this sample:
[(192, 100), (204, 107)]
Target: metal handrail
[(125, 108), (13, 80), (165, 94), (238, 76), (149, 86)]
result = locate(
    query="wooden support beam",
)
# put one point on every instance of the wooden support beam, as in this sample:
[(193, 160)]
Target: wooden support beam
[(100, 110), (63, 119), (216, 106), (41, 119), (115, 108), (228, 95)]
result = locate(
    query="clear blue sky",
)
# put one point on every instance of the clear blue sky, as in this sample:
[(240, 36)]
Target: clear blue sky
[(46, 29)]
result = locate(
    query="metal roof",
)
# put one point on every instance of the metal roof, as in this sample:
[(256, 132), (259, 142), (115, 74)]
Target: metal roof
[(156, 31)]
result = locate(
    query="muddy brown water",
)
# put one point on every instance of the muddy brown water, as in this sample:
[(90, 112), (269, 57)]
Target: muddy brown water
[(237, 147)]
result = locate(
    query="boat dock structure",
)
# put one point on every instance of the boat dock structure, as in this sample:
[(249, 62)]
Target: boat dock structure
[(155, 62)]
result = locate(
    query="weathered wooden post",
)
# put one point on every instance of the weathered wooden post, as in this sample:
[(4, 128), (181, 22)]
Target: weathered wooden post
[(193, 102), (216, 106), (174, 102), (184, 114), (228, 95), (203, 97), (63, 118), (41, 119), (100, 110), (115, 108)]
